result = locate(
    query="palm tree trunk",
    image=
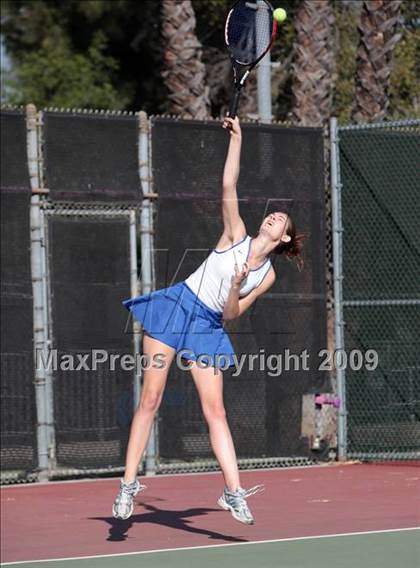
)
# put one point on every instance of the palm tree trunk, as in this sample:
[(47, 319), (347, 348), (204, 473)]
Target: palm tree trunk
[(184, 72), (313, 67), (378, 29)]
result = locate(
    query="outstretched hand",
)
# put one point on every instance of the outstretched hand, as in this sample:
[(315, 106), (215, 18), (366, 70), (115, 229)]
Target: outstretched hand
[(232, 124)]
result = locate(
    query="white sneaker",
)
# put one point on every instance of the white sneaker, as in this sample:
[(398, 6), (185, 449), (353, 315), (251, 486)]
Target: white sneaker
[(123, 505), (235, 502)]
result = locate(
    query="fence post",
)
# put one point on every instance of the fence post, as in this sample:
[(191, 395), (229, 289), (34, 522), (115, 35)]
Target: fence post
[(264, 76), (337, 232), (39, 307), (146, 242), (134, 290), (49, 378)]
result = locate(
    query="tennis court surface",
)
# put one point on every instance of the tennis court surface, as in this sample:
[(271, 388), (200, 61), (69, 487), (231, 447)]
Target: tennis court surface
[(356, 515)]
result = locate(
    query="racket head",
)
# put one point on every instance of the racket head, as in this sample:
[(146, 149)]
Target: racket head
[(250, 30)]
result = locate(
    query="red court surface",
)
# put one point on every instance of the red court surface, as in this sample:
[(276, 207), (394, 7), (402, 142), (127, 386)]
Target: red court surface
[(73, 519)]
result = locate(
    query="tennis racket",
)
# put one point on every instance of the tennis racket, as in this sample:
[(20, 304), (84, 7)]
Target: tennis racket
[(250, 30)]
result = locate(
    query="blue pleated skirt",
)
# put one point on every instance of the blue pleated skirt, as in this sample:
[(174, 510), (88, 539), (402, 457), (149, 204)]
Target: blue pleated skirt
[(177, 317)]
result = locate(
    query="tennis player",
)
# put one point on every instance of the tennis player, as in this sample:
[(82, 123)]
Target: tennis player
[(188, 316)]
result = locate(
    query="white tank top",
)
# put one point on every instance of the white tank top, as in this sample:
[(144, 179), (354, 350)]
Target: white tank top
[(211, 282)]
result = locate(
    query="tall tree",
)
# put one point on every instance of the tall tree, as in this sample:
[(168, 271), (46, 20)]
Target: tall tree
[(404, 91), (379, 34), (183, 71), (84, 53), (313, 65)]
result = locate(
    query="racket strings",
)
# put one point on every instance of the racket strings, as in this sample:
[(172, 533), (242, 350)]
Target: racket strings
[(249, 28)]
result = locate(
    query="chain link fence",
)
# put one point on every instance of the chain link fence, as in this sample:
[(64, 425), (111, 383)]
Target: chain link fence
[(18, 408), (93, 225), (91, 241), (378, 242)]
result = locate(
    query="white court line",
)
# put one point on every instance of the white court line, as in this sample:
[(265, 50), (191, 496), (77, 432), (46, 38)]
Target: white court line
[(292, 539)]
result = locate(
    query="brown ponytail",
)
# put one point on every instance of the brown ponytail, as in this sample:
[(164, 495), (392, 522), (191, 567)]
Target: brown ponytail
[(293, 248)]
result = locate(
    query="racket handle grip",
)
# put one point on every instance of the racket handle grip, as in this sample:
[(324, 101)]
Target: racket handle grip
[(233, 108)]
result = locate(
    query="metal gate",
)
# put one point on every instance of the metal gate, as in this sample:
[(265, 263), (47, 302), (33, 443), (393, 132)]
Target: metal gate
[(376, 236)]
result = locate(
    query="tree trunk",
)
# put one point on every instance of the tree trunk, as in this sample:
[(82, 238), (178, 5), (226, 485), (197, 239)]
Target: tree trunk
[(184, 72), (378, 29), (313, 67)]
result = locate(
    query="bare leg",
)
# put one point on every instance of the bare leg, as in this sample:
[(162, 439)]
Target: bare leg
[(154, 381), (210, 389)]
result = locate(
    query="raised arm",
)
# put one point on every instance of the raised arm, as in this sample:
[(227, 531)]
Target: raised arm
[(233, 227)]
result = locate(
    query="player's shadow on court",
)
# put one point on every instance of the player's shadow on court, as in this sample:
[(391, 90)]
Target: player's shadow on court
[(173, 519)]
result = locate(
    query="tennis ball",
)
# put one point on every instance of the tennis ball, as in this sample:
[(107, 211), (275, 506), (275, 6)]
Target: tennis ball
[(280, 14)]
